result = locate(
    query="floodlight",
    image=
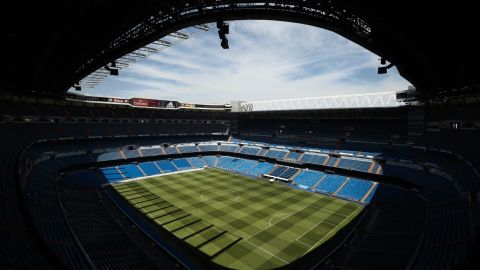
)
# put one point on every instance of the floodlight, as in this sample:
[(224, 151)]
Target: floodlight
[(113, 69), (223, 30), (224, 43), (384, 70), (77, 87)]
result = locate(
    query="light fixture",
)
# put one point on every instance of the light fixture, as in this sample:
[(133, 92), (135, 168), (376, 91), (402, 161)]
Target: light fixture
[(384, 70), (223, 30), (224, 43), (77, 87), (113, 68)]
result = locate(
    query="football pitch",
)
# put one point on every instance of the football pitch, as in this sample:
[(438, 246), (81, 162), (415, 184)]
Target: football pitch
[(236, 221)]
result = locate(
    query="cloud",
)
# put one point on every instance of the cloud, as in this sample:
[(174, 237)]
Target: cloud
[(267, 60)]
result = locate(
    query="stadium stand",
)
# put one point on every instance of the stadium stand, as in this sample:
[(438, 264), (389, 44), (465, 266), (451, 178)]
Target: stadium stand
[(130, 171), (149, 168), (308, 178), (289, 172), (170, 150), (211, 160), (336, 185), (331, 183), (355, 164), (246, 165), (151, 151), (208, 147), (293, 155), (413, 170), (355, 189), (182, 164), (278, 171), (112, 174), (313, 158), (249, 150), (166, 166), (261, 168), (273, 153), (228, 148), (104, 241), (187, 148), (197, 162)]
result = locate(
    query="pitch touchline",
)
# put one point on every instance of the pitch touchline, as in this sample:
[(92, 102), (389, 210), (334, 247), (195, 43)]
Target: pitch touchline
[(271, 254), (313, 227), (270, 225), (331, 211)]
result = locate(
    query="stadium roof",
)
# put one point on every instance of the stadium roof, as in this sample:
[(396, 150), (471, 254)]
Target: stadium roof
[(49, 46), (370, 100)]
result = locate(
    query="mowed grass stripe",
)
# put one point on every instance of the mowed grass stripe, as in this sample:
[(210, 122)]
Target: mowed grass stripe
[(204, 236), (317, 232), (218, 244), (192, 229), (241, 222), (153, 208), (190, 188), (171, 217), (179, 223), (276, 239), (149, 203)]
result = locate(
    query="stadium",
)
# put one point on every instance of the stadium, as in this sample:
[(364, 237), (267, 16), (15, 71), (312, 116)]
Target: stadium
[(381, 180)]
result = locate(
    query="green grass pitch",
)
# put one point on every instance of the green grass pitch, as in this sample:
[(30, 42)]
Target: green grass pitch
[(239, 222)]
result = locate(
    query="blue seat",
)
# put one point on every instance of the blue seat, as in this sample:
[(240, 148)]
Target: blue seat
[(182, 164), (196, 162), (210, 160), (130, 171), (331, 183), (308, 178), (355, 189), (166, 166), (149, 168)]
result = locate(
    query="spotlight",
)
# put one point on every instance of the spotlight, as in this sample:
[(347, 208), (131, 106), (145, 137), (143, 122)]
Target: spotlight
[(113, 69), (114, 72), (221, 35), (224, 43), (223, 30), (220, 23), (77, 87), (384, 70)]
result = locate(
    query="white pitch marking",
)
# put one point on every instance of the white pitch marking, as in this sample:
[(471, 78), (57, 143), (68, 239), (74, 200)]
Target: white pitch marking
[(271, 254), (356, 210), (281, 214), (278, 221)]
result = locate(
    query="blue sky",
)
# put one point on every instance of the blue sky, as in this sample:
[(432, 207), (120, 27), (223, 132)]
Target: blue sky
[(267, 60)]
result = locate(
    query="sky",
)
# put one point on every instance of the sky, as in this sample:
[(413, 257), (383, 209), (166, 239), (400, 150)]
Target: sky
[(267, 60)]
